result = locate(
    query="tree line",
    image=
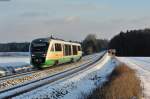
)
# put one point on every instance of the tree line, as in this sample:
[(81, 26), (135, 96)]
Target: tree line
[(92, 45), (131, 43), (14, 47)]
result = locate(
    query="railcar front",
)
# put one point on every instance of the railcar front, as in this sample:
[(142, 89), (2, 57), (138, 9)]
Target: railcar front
[(38, 51)]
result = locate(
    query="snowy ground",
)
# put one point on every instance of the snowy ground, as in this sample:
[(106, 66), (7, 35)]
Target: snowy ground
[(13, 61), (74, 86), (142, 66), (14, 54)]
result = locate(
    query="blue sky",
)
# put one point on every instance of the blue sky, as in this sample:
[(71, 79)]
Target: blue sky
[(24, 20)]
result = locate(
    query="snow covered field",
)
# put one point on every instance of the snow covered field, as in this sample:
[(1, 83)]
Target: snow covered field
[(73, 87), (142, 66), (14, 59), (14, 54)]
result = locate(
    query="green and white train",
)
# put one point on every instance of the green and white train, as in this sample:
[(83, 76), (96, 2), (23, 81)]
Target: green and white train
[(46, 52)]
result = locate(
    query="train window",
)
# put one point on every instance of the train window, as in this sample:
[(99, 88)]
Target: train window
[(67, 50), (79, 48), (74, 50), (39, 47), (58, 47), (52, 48)]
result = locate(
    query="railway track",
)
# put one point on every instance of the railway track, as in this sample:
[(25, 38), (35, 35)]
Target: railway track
[(18, 74), (25, 87), (36, 70), (14, 80)]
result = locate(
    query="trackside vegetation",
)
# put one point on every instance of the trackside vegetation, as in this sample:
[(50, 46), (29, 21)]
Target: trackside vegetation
[(122, 84)]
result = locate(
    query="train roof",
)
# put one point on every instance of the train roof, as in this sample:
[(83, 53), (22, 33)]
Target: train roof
[(56, 39)]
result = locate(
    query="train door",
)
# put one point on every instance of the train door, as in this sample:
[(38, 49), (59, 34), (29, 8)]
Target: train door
[(67, 52), (58, 50)]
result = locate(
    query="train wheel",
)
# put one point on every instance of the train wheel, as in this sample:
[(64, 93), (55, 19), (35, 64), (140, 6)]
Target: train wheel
[(72, 60), (79, 59), (56, 63)]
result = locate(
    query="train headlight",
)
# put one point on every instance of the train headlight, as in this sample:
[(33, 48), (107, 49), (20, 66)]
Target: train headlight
[(32, 55), (44, 55), (37, 60), (2, 73)]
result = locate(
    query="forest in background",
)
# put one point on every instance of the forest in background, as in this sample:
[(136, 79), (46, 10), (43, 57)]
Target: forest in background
[(131, 43), (14, 47)]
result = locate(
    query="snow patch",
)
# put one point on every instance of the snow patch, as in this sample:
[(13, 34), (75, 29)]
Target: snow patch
[(14, 54)]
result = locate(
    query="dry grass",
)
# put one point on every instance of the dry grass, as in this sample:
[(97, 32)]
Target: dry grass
[(122, 84)]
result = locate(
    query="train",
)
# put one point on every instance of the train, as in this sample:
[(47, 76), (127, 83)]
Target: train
[(47, 52)]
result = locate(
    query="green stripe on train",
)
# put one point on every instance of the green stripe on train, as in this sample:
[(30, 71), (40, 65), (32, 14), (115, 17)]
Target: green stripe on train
[(66, 59)]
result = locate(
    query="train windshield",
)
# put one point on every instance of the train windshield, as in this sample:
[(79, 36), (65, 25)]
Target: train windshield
[(39, 47)]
